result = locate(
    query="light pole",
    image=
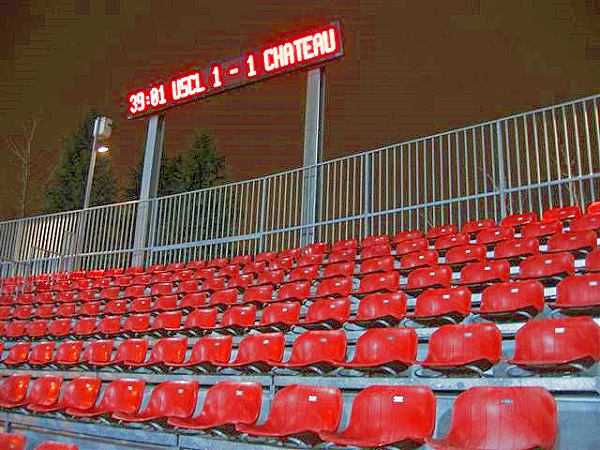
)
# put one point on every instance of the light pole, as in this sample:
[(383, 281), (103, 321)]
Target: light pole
[(102, 130)]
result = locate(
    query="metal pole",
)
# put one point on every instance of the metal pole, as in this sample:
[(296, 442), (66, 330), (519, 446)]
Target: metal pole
[(90, 177), (149, 185), (501, 170), (313, 151)]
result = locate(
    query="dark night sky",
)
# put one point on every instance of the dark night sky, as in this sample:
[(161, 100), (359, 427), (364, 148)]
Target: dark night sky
[(411, 68)]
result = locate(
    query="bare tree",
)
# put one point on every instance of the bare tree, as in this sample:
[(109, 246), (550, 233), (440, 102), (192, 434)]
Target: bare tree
[(21, 149)]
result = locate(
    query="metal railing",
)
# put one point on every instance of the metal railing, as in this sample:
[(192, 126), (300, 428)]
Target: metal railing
[(529, 161)]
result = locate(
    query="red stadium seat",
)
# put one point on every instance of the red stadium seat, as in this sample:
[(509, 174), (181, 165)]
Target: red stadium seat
[(44, 393), (562, 213), (199, 321), (161, 277), (281, 264), (205, 274), (299, 290), (327, 314), (566, 345), (195, 265), (376, 251), (479, 275), (65, 310), (237, 319), (347, 244), (87, 295), (98, 353), (217, 262), (166, 303), (79, 393), (274, 277), (411, 246), (175, 267), (388, 417), (415, 260), (264, 256), (136, 325), (427, 278), (255, 267), (241, 281), (334, 287), (6, 312), (446, 242), (15, 329), (443, 305), (381, 310), (384, 351), (165, 351), (208, 353), (13, 390), (299, 414), (540, 230), (218, 414), (341, 269), (518, 300), (317, 248), (161, 289), (84, 327), (464, 349), (464, 254), (549, 269), (141, 305), (110, 293), (41, 354), (374, 239), (305, 273), (281, 316), (257, 353), (258, 295), (514, 250), (317, 352), (141, 281), (167, 323), (117, 306), (224, 298), (594, 207), (68, 353), (192, 301), (441, 230), (492, 236), (310, 260), (120, 396), (59, 328), (214, 284), (517, 221), (475, 226), (338, 256), (23, 312), (578, 243), (579, 295), (180, 276), (170, 399), (188, 287), (587, 222), (230, 270), (155, 268), (402, 236), (244, 259), (130, 354), (51, 445), (113, 272), (17, 354), (12, 441), (379, 282), (379, 264), (290, 253), (507, 418)]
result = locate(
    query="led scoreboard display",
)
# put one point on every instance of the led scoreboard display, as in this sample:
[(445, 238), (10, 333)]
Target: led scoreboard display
[(301, 50)]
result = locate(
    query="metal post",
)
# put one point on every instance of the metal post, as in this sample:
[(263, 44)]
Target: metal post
[(501, 171), (90, 177), (149, 185), (368, 195), (313, 151)]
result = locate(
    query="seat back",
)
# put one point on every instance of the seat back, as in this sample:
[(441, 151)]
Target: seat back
[(485, 271), (458, 345), (258, 294), (380, 282), (561, 213), (376, 250), (451, 240), (59, 327), (514, 248), (510, 417), (375, 306), (592, 261), (513, 296), (441, 230), (518, 220), (51, 445), (68, 352), (309, 261), (299, 408), (18, 353), (374, 239), (337, 309), (465, 254), (140, 305), (334, 287), (274, 277), (123, 395), (417, 259), (168, 320), (12, 441), (319, 345), (281, 312), (580, 290), (475, 226), (241, 281), (44, 391), (173, 399), (539, 230), (265, 347), (338, 256), (224, 297), (383, 345), (13, 389), (90, 309), (164, 288), (137, 323), (571, 241), (109, 325), (306, 272), (201, 318), (195, 300), (494, 235), (81, 393), (85, 326), (243, 316), (346, 244), (340, 269), (300, 290), (170, 350), (132, 351), (166, 302), (41, 353), (436, 302), (98, 351), (36, 328), (220, 398), (212, 349), (429, 276), (540, 266), (587, 222), (557, 341)]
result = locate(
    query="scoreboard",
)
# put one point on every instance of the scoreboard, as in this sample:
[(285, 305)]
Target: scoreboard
[(298, 51)]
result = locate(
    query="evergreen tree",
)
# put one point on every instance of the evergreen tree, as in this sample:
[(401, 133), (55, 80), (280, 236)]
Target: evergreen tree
[(66, 189)]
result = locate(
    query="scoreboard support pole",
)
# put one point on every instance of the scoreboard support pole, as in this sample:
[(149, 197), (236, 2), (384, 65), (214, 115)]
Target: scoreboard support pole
[(313, 152), (149, 186)]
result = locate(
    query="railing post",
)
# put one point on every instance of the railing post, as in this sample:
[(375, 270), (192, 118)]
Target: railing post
[(367, 196), (313, 152), (263, 214), (501, 169)]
